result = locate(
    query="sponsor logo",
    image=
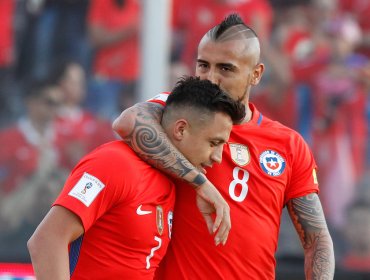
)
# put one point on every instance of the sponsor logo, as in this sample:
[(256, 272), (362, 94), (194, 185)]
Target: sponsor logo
[(239, 154), (142, 212), (272, 163)]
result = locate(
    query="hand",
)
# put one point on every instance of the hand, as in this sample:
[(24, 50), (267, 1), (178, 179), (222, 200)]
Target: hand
[(210, 201)]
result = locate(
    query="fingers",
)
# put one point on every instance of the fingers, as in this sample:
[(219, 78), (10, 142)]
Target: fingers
[(210, 201), (222, 226), (209, 222)]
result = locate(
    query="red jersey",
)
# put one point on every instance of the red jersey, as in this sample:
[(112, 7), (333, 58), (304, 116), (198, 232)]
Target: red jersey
[(265, 164), (20, 153), (118, 61), (79, 132), (126, 207)]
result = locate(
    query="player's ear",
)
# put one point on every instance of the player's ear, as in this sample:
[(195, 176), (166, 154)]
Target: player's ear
[(179, 129), (257, 73)]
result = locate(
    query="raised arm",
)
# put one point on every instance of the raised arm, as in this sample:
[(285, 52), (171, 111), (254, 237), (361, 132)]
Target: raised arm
[(139, 126), (48, 246), (309, 220)]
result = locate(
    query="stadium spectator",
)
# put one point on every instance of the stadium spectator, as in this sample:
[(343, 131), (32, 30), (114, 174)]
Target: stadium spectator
[(357, 233), (57, 30), (79, 131), (359, 10), (339, 122), (7, 61), (113, 28), (118, 219), (30, 172), (266, 166)]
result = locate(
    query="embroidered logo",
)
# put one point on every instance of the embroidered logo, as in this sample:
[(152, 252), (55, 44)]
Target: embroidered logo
[(160, 219), (239, 154), (169, 221), (272, 163), (142, 212)]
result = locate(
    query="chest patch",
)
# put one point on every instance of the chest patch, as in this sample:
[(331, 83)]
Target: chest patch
[(272, 163), (239, 154)]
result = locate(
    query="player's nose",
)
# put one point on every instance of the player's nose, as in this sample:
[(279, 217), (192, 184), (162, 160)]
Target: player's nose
[(213, 77), (216, 155)]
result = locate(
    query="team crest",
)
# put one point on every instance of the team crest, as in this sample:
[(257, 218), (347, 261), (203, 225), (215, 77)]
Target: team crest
[(159, 219), (272, 163), (239, 154), (169, 220)]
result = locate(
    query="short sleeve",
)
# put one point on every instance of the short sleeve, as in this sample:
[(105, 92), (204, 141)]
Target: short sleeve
[(92, 189), (303, 178)]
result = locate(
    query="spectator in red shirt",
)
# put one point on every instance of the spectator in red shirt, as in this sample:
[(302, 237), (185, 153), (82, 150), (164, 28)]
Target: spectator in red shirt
[(30, 174), (113, 27), (79, 131)]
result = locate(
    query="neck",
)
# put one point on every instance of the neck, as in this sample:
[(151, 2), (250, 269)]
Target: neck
[(248, 114)]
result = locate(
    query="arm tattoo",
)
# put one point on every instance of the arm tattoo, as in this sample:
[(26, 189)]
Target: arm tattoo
[(199, 180), (151, 144), (309, 220)]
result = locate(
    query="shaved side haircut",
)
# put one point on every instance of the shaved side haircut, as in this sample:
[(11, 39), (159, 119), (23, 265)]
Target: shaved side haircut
[(231, 28)]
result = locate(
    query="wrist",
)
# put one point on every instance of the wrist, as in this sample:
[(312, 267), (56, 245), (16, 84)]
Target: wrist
[(196, 178)]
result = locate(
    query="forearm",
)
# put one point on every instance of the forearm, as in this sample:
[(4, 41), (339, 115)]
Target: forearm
[(309, 220), (319, 257), (140, 128)]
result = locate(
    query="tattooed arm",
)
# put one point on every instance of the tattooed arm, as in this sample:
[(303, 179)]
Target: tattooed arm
[(309, 220), (139, 127)]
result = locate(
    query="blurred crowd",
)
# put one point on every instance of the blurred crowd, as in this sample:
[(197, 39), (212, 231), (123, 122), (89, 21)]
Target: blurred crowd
[(68, 68)]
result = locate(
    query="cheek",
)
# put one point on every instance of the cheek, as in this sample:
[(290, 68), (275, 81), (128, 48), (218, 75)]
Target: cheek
[(200, 153)]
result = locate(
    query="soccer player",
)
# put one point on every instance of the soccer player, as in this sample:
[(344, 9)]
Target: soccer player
[(115, 211), (266, 166)]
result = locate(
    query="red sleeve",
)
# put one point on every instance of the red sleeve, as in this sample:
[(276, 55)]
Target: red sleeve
[(92, 188), (303, 179)]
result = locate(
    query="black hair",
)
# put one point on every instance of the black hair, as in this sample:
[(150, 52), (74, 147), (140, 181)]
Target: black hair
[(204, 95), (60, 68), (230, 21), (37, 87)]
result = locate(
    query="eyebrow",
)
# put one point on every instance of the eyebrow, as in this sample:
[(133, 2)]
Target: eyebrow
[(219, 140), (228, 65)]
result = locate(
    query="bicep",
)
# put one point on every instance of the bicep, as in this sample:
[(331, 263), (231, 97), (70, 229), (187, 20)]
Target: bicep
[(308, 218), (59, 225)]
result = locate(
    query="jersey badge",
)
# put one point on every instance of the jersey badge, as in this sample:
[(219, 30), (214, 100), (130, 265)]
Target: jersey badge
[(239, 154), (169, 221), (87, 189), (160, 219), (314, 175), (272, 163)]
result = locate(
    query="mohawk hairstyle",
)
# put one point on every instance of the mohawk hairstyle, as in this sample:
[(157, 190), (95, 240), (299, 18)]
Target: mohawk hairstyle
[(232, 20)]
